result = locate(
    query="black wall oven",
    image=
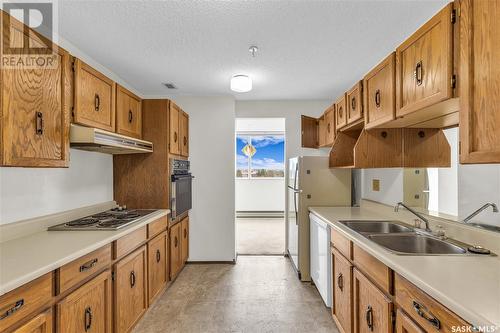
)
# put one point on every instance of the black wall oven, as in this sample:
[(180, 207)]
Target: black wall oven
[(180, 187)]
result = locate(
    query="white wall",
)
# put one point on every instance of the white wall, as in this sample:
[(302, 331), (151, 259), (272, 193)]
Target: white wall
[(391, 185), (260, 194), (211, 149), (30, 192)]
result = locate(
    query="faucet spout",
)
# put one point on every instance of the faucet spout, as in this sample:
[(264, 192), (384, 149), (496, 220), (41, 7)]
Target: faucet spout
[(426, 221), (483, 207)]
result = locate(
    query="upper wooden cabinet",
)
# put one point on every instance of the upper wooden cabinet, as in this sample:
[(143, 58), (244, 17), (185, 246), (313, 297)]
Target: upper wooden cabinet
[(321, 131), (174, 142), (479, 81), (94, 99), (309, 132), (379, 93), (340, 112), (424, 65), (128, 113), (355, 103), (330, 125), (184, 133), (34, 112)]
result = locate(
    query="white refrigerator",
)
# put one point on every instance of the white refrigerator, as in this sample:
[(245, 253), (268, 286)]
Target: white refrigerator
[(311, 182)]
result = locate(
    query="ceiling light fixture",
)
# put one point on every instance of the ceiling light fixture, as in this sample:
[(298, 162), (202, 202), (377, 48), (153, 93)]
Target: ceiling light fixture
[(241, 83)]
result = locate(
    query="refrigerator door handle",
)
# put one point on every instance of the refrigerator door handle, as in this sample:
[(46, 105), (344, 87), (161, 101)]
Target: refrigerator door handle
[(295, 207), (296, 175)]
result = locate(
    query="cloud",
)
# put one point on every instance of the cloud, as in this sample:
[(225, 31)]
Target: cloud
[(267, 163), (267, 140)]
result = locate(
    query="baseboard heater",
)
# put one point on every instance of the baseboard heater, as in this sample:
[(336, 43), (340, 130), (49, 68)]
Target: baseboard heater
[(243, 214)]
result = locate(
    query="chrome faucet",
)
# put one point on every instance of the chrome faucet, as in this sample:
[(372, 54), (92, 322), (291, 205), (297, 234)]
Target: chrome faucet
[(426, 221), (483, 207)]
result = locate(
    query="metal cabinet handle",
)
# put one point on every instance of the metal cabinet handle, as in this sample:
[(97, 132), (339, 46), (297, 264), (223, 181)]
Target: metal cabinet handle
[(175, 136), (418, 73), (353, 103), (88, 319), (423, 312), (158, 255), (340, 281), (377, 98), (39, 123), (88, 265), (341, 111), (369, 317), (132, 279), (130, 116), (175, 241), (185, 141), (16, 306), (97, 102), (328, 127)]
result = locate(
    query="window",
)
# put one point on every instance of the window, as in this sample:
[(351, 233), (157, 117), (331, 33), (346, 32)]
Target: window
[(260, 156)]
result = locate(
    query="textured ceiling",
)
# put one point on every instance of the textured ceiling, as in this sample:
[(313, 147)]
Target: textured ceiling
[(307, 49)]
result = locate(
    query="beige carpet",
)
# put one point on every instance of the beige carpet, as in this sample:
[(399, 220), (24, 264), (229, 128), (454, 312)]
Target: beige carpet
[(260, 236)]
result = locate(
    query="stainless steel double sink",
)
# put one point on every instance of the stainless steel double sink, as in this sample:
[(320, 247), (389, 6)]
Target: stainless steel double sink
[(402, 239)]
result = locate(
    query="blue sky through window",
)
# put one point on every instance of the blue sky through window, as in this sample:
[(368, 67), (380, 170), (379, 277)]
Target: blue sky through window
[(268, 161)]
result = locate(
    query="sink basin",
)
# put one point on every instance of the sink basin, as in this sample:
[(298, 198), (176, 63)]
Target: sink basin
[(416, 244), (376, 227)]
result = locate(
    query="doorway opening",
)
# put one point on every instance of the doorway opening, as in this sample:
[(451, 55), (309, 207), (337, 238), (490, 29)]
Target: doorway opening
[(260, 186)]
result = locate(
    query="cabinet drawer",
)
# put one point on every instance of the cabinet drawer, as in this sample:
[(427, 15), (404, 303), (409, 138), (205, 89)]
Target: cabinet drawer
[(404, 324), (157, 265), (341, 243), (78, 270), (426, 311), (372, 309), (42, 323), (342, 292), (378, 272), (157, 226), (128, 113), (355, 103), (129, 242), (379, 89), (87, 309), (25, 300), (94, 98), (341, 112)]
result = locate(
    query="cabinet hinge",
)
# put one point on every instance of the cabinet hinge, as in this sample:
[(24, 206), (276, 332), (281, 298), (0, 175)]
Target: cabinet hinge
[(73, 66), (112, 276), (453, 81), (453, 16), (393, 317)]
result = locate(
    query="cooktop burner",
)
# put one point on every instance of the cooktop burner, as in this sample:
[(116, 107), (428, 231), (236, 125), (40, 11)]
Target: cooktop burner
[(113, 219)]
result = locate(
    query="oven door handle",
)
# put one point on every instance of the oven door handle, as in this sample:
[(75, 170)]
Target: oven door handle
[(181, 177)]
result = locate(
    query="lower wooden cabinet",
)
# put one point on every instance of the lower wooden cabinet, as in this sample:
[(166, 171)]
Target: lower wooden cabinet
[(130, 299), (157, 265), (88, 309), (184, 240), (372, 309), (342, 292), (175, 250), (42, 323), (405, 325)]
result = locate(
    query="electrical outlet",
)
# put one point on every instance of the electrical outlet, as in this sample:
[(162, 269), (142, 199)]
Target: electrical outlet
[(376, 185)]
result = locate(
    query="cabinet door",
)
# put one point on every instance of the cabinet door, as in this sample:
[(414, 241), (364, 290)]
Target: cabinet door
[(322, 131), (479, 81), (330, 125), (88, 309), (128, 113), (42, 323), (405, 325), (342, 292), (424, 64), (175, 250), (184, 240), (130, 290), (379, 93), (157, 265), (94, 98), (174, 142), (184, 133), (372, 309), (355, 103), (341, 112), (34, 117), (309, 132)]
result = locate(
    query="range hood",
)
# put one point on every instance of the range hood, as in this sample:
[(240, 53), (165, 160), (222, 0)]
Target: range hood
[(94, 139)]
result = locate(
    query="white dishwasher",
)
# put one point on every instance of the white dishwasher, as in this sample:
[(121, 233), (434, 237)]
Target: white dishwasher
[(321, 260)]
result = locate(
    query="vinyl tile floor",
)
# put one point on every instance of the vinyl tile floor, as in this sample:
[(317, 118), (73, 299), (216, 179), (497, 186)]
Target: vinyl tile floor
[(258, 294)]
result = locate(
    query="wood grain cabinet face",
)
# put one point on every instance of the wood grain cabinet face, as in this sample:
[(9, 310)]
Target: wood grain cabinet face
[(372, 309), (130, 290), (479, 81), (94, 98), (321, 131), (128, 113), (175, 250), (341, 112), (174, 142), (330, 125), (355, 103), (379, 93), (42, 323), (184, 240), (342, 292), (34, 113), (309, 132), (405, 325), (157, 265), (184, 133), (424, 64), (88, 309)]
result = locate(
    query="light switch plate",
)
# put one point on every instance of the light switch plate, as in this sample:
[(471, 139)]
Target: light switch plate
[(376, 185)]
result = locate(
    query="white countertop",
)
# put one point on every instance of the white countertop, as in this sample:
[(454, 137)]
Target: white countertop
[(27, 258), (467, 285)]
